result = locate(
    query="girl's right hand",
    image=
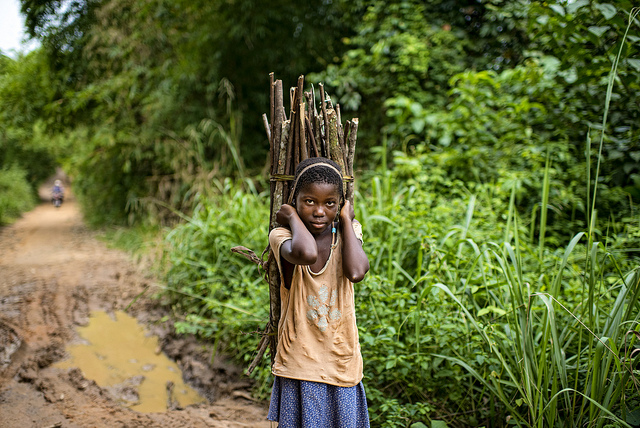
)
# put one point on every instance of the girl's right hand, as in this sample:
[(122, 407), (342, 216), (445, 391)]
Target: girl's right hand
[(284, 214)]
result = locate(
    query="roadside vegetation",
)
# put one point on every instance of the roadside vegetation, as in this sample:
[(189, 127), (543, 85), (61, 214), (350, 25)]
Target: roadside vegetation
[(498, 182)]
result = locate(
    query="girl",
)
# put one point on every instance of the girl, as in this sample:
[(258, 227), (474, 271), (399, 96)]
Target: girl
[(318, 365)]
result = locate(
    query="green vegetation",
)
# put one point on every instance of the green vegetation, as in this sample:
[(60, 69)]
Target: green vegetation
[(458, 286), (16, 195), (26, 158), (499, 156)]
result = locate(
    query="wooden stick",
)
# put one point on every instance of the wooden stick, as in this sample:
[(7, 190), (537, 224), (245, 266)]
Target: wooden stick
[(272, 156), (295, 139), (299, 106), (313, 101), (347, 128), (317, 121), (327, 150), (312, 139), (340, 131), (317, 133), (272, 105), (353, 134), (300, 89), (289, 157), (272, 146), (291, 99), (267, 128), (280, 116), (262, 347), (282, 187), (278, 150), (334, 143), (302, 141), (347, 133), (341, 139), (308, 125)]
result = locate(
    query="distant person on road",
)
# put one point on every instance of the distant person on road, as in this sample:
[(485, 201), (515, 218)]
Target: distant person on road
[(318, 364), (57, 192)]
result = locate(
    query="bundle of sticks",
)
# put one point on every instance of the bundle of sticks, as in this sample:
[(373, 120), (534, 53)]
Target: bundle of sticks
[(308, 131)]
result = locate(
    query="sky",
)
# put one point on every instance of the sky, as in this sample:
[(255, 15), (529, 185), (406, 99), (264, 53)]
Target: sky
[(12, 28)]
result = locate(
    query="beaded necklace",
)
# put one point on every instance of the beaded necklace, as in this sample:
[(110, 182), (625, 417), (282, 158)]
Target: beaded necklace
[(334, 240)]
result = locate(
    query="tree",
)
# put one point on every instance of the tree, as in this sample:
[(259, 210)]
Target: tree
[(412, 48), (24, 97), (151, 95)]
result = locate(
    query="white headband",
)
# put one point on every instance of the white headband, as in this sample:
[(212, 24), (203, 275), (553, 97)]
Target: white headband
[(295, 183)]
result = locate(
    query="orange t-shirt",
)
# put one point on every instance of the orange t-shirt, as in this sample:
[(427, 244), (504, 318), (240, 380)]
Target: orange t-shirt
[(317, 333)]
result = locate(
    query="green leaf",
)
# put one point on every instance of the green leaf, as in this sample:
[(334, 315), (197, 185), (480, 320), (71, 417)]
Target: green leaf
[(573, 7), (542, 19), (570, 75), (635, 63), (491, 309), (609, 11), (439, 424), (558, 9), (598, 31), (417, 125), (633, 417)]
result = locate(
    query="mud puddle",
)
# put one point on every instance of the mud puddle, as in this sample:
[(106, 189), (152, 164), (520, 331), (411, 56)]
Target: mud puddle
[(54, 275), (121, 355)]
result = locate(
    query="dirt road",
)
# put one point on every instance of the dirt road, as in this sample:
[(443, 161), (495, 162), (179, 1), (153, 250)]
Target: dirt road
[(53, 273)]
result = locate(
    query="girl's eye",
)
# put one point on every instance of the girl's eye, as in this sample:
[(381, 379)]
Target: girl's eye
[(331, 203), (308, 201)]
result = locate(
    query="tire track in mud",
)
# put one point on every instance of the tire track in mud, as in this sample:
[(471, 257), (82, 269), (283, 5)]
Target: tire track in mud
[(53, 273)]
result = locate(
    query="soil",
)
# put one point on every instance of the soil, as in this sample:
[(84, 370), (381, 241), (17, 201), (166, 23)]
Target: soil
[(53, 273)]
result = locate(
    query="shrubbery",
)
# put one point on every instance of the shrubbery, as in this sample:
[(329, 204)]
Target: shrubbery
[(16, 194), (459, 314)]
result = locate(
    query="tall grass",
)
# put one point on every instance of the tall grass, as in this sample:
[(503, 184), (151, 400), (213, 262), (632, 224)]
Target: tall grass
[(547, 341), (547, 375), (564, 360), (461, 318)]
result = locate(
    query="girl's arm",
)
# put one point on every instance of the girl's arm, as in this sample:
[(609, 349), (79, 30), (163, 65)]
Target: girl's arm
[(301, 249), (355, 263)]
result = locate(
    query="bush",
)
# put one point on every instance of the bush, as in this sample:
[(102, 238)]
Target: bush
[(453, 278), (16, 195)]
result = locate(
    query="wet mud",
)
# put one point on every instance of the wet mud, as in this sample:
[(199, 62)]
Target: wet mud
[(54, 274)]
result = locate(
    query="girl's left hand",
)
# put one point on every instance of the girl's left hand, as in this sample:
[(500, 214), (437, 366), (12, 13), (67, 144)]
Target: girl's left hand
[(347, 214)]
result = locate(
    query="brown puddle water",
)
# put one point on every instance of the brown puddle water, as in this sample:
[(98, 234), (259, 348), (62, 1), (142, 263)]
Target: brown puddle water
[(121, 354)]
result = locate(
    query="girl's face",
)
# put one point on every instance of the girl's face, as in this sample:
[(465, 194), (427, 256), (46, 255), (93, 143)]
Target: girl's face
[(318, 205)]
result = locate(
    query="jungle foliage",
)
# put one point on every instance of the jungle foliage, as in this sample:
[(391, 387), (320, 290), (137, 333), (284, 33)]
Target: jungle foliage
[(468, 315), (499, 156)]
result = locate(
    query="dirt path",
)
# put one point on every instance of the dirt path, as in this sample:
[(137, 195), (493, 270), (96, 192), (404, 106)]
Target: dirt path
[(53, 273)]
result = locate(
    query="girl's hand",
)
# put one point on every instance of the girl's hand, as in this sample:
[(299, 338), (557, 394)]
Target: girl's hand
[(285, 213), (355, 263), (347, 214)]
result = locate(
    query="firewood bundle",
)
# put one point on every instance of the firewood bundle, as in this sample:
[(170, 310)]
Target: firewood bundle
[(307, 132)]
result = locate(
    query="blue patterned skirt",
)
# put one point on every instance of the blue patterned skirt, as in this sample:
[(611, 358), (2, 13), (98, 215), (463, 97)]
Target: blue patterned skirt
[(304, 404)]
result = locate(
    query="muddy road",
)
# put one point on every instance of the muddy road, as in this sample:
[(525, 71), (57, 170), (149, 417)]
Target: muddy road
[(54, 274)]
